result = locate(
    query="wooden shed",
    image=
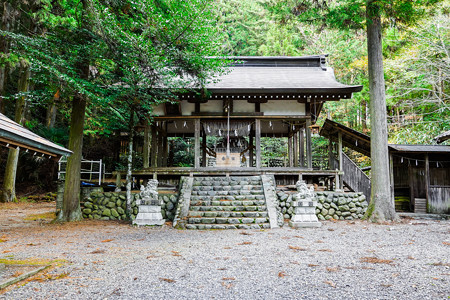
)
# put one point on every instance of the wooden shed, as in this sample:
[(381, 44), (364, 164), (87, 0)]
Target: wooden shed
[(420, 174)]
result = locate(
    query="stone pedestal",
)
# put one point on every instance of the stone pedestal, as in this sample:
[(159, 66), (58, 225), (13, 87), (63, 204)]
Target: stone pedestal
[(149, 206), (304, 207), (304, 215), (149, 215)]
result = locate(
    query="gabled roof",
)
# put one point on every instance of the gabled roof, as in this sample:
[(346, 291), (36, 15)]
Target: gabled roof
[(14, 135), (286, 77)]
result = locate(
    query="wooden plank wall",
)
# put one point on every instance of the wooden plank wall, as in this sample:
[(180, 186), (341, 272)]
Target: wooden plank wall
[(439, 201)]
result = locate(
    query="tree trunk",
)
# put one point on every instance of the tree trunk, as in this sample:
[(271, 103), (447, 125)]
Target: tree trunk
[(9, 182), (51, 111), (71, 210), (4, 48), (129, 211), (381, 207)]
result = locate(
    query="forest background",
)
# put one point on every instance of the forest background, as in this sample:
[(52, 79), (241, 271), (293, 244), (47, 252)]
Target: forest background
[(416, 67)]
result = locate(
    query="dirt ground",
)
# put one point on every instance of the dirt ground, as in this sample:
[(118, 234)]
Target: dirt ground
[(111, 259)]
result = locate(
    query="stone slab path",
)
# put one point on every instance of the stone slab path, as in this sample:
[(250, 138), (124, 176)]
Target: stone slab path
[(340, 260)]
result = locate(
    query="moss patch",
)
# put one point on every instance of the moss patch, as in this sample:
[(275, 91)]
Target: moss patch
[(47, 215)]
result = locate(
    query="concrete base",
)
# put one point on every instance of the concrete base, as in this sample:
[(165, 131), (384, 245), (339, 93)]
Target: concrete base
[(149, 215), (305, 224)]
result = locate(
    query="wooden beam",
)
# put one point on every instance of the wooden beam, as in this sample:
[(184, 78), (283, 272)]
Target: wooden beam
[(290, 148), (250, 145), (308, 144), (160, 146), (197, 143), (427, 178), (301, 146), (391, 177), (153, 149), (204, 149), (340, 158), (295, 152), (258, 142), (146, 150)]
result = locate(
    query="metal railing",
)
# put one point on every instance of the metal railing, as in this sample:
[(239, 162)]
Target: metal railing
[(91, 170)]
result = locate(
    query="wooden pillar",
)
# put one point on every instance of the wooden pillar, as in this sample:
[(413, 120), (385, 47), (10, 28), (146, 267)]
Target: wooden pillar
[(340, 157), (160, 149), (250, 144), (308, 144), (391, 177), (295, 146), (165, 153), (301, 151), (427, 179), (153, 148), (290, 148), (146, 149), (330, 155), (197, 143), (204, 149), (258, 142)]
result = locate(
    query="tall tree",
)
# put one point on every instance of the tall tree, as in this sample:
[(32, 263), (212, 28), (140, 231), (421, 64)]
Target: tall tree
[(368, 14)]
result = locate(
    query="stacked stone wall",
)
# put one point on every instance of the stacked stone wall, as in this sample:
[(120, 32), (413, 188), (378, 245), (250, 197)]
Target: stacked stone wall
[(330, 205), (112, 206)]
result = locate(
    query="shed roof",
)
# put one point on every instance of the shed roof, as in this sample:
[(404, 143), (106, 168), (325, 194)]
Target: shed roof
[(14, 135), (360, 142), (442, 137)]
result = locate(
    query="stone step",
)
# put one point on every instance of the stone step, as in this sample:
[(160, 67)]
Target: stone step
[(228, 214), (229, 208), (228, 193), (224, 178), (234, 221), (228, 198), (247, 187), (224, 202), (228, 226)]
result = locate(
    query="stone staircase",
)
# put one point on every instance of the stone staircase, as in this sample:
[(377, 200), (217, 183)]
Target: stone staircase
[(235, 202)]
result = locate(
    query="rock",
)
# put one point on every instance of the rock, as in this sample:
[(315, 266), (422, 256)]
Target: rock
[(135, 211), (166, 199), (331, 211), (336, 217), (324, 212), (169, 206), (87, 211), (121, 196), (343, 208), (328, 217), (284, 197), (354, 209), (173, 199), (111, 204), (106, 212), (320, 217), (88, 204), (346, 214), (287, 216), (319, 205), (317, 211), (104, 218), (114, 213), (120, 210), (351, 205), (342, 201), (333, 205), (170, 215), (326, 205)]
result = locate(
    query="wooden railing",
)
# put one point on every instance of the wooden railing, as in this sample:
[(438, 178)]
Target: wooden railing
[(354, 178)]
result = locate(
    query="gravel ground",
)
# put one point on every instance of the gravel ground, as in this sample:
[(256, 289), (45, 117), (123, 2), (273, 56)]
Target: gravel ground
[(340, 260)]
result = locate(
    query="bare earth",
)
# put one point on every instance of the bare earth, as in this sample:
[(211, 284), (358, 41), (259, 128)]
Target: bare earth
[(340, 260)]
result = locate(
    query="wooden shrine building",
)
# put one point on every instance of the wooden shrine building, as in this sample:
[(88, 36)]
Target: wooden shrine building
[(278, 97)]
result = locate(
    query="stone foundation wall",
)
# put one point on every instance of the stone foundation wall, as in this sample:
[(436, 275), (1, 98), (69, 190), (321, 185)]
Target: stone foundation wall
[(112, 206), (330, 205)]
